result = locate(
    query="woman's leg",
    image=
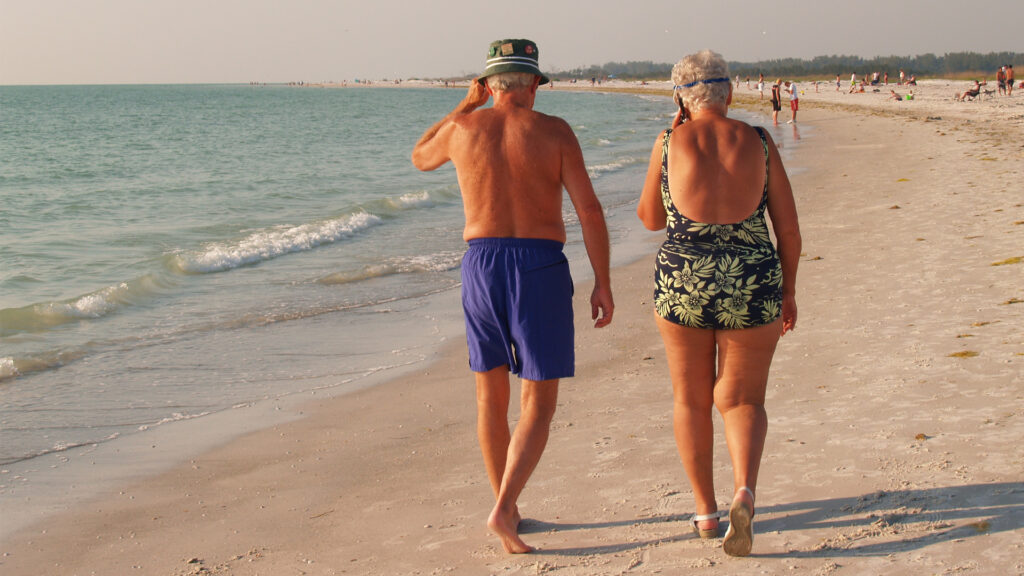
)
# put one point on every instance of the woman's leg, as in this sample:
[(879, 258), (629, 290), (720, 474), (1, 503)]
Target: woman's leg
[(744, 359), (691, 363)]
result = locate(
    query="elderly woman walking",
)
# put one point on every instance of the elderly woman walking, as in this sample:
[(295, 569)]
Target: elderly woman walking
[(724, 294)]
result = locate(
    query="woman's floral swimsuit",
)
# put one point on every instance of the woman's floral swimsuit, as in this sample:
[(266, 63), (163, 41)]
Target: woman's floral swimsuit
[(719, 276)]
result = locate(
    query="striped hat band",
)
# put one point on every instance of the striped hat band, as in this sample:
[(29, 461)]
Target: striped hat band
[(513, 55)]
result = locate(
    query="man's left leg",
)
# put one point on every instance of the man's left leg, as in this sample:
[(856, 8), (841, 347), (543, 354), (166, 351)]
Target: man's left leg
[(492, 398), (525, 448)]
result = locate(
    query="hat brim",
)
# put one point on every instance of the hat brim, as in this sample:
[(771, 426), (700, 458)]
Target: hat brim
[(512, 67)]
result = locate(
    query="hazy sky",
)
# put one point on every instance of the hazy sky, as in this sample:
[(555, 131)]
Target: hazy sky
[(184, 41)]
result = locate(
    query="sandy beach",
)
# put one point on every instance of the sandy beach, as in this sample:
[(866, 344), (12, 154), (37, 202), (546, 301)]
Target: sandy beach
[(896, 408)]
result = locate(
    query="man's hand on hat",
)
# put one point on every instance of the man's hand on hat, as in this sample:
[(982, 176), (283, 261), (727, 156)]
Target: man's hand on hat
[(476, 97)]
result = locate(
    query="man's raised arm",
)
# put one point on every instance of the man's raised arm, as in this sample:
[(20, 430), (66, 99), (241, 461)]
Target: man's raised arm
[(431, 152)]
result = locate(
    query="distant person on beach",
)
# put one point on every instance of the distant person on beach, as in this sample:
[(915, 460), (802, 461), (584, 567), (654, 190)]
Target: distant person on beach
[(838, 84), (794, 101), (893, 95), (1001, 79), (971, 92), (776, 100), (512, 163), (1009, 79), (902, 76), (723, 295)]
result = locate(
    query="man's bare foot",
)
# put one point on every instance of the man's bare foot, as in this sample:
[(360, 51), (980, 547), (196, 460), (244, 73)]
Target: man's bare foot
[(507, 528)]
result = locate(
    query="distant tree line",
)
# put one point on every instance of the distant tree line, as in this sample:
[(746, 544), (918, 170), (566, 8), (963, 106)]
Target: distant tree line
[(950, 64)]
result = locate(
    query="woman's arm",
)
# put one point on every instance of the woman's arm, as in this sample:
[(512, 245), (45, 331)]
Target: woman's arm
[(650, 208), (785, 223)]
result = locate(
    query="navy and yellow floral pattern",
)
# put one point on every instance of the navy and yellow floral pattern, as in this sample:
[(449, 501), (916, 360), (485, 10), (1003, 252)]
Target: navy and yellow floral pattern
[(721, 276)]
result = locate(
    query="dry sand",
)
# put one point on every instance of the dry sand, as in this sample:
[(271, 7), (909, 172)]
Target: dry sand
[(895, 409)]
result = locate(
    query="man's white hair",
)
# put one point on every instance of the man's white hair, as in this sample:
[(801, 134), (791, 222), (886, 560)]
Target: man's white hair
[(704, 65), (510, 81)]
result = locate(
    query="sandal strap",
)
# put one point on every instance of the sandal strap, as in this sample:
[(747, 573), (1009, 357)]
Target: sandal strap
[(713, 516)]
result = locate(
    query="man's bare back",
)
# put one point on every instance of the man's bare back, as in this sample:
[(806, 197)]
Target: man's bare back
[(518, 193), (512, 163)]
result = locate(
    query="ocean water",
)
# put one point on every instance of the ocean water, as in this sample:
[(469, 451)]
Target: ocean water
[(170, 253)]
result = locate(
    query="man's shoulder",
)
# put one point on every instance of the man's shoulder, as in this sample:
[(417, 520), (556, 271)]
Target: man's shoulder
[(475, 117), (555, 122), (487, 123), (539, 124)]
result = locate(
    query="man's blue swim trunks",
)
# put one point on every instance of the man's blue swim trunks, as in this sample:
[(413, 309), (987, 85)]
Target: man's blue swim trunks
[(517, 296)]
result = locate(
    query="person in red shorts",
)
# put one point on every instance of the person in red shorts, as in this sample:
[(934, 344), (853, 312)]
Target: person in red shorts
[(794, 100)]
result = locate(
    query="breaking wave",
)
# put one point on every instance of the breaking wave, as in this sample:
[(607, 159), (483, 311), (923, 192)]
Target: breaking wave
[(269, 244)]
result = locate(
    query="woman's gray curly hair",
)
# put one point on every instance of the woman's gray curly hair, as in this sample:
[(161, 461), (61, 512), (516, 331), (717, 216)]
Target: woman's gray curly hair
[(697, 69)]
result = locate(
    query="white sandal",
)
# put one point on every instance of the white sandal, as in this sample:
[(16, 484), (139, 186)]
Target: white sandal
[(707, 533), (739, 538)]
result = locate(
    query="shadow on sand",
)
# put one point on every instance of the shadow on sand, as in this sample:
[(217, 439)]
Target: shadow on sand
[(863, 526)]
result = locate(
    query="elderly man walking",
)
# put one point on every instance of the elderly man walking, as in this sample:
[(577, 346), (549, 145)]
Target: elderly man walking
[(512, 163)]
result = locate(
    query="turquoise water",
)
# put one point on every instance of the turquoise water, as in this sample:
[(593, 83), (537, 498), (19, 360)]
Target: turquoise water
[(154, 238), (172, 253)]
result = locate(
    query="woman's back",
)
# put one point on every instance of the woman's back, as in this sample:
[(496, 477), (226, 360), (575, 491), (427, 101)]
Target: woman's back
[(716, 170)]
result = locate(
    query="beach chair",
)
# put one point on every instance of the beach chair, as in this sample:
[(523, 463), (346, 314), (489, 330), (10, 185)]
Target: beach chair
[(972, 93)]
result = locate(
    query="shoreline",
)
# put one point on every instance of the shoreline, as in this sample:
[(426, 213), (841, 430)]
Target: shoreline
[(933, 99), (886, 452), (73, 472)]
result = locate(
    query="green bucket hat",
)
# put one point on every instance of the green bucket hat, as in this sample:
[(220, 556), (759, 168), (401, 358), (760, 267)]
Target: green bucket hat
[(512, 56)]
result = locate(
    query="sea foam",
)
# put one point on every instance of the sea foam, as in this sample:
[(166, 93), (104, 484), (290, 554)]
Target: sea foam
[(412, 200), (597, 170), (269, 244), (42, 316), (8, 369), (435, 262)]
